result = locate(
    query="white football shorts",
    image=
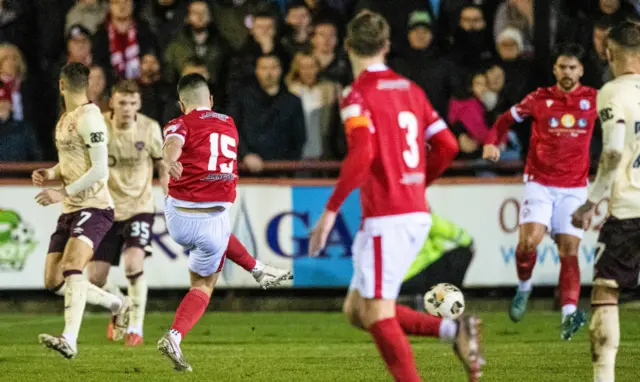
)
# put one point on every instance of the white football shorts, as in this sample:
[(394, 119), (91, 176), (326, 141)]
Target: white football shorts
[(383, 250), (552, 207), (205, 235)]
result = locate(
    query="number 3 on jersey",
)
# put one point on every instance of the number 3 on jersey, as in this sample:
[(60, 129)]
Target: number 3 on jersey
[(222, 144), (407, 120)]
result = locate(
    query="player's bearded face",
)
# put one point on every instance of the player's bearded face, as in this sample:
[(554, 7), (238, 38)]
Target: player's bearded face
[(568, 71)]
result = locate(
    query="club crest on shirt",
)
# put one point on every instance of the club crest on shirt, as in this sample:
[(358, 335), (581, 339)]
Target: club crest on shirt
[(582, 123), (139, 145), (553, 122), (549, 103), (568, 120), (585, 104)]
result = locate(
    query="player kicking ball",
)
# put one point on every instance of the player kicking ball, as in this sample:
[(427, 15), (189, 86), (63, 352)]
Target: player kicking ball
[(617, 258), (200, 152), (135, 146), (555, 178), (386, 159), (87, 209)]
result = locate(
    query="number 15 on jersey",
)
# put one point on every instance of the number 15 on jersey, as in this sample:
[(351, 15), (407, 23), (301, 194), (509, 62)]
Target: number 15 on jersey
[(223, 146)]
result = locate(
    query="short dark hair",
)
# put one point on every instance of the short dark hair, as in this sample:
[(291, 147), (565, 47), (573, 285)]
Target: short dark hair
[(125, 87), (298, 4), (268, 55), (568, 50), (76, 76), (195, 61), (190, 82), (626, 34), (264, 12), (367, 34)]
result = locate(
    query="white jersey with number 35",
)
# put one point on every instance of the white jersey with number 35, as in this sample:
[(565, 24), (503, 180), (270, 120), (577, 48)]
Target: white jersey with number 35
[(619, 101)]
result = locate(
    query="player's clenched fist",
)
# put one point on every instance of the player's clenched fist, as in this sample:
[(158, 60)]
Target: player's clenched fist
[(175, 169), (39, 176), (491, 152)]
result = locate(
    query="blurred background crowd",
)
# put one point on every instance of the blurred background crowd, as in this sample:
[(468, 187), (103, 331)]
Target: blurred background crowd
[(278, 66)]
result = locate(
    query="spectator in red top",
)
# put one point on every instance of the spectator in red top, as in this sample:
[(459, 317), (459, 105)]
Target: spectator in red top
[(12, 72), (121, 41)]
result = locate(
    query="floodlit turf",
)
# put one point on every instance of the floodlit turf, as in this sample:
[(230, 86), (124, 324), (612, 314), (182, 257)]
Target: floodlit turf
[(295, 347)]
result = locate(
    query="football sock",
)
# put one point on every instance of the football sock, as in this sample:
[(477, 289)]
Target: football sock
[(569, 284), (59, 290), (395, 350), (75, 299), (524, 286), (414, 323), (525, 261), (100, 297), (113, 289), (189, 312), (237, 253), (604, 331), (138, 292)]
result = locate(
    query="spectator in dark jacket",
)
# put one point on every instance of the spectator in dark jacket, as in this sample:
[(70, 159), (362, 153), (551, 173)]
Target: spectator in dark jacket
[(472, 42), (154, 91), (297, 30), (517, 68), (424, 64), (269, 118), (262, 41), (17, 141), (165, 18), (198, 39), (334, 63), (596, 67), (121, 41)]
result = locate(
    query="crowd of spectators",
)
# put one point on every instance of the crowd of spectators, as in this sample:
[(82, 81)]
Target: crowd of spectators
[(278, 66)]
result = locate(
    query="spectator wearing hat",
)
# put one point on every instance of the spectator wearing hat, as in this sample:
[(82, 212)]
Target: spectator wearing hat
[(516, 66), (424, 64), (79, 45), (88, 13), (121, 41), (17, 141)]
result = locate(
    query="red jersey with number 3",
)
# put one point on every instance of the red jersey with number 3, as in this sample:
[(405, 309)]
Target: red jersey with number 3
[(400, 120), (209, 157)]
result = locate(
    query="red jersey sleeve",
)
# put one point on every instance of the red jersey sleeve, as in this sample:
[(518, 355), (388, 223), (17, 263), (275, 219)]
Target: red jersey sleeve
[(176, 128), (433, 123), (518, 113), (359, 130)]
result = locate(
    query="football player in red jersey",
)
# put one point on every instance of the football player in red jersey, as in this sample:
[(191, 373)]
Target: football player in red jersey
[(200, 153), (386, 159), (555, 178)]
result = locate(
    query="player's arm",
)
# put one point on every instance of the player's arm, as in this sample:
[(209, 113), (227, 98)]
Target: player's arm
[(516, 114), (93, 131), (613, 134), (39, 176), (442, 148), (156, 156), (174, 138)]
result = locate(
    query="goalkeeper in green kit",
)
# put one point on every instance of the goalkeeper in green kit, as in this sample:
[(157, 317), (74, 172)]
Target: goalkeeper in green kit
[(444, 258)]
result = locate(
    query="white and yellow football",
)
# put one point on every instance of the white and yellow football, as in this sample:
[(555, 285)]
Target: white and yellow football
[(444, 300)]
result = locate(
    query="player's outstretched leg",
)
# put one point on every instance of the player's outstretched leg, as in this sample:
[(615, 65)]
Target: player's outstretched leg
[(108, 295), (138, 290), (530, 236), (189, 312), (569, 282), (604, 332), (266, 275)]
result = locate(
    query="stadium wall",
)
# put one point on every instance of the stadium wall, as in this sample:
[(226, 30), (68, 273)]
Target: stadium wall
[(273, 219)]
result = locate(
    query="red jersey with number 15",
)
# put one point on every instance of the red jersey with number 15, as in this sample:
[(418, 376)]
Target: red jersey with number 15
[(399, 119), (209, 157)]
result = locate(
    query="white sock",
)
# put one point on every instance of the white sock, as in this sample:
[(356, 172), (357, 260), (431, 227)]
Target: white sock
[(138, 292), (567, 310), (98, 296), (113, 289), (176, 336), (604, 331), (448, 330), (259, 267), (524, 286), (75, 299)]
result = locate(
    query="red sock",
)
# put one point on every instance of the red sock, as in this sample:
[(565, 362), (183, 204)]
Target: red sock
[(395, 349), (525, 262), (190, 310), (569, 280), (417, 324), (237, 253)]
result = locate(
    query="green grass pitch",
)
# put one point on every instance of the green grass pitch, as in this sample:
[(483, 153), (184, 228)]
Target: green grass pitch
[(296, 347)]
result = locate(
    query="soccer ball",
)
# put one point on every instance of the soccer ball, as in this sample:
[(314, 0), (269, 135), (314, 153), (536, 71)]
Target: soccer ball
[(22, 234), (444, 300)]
